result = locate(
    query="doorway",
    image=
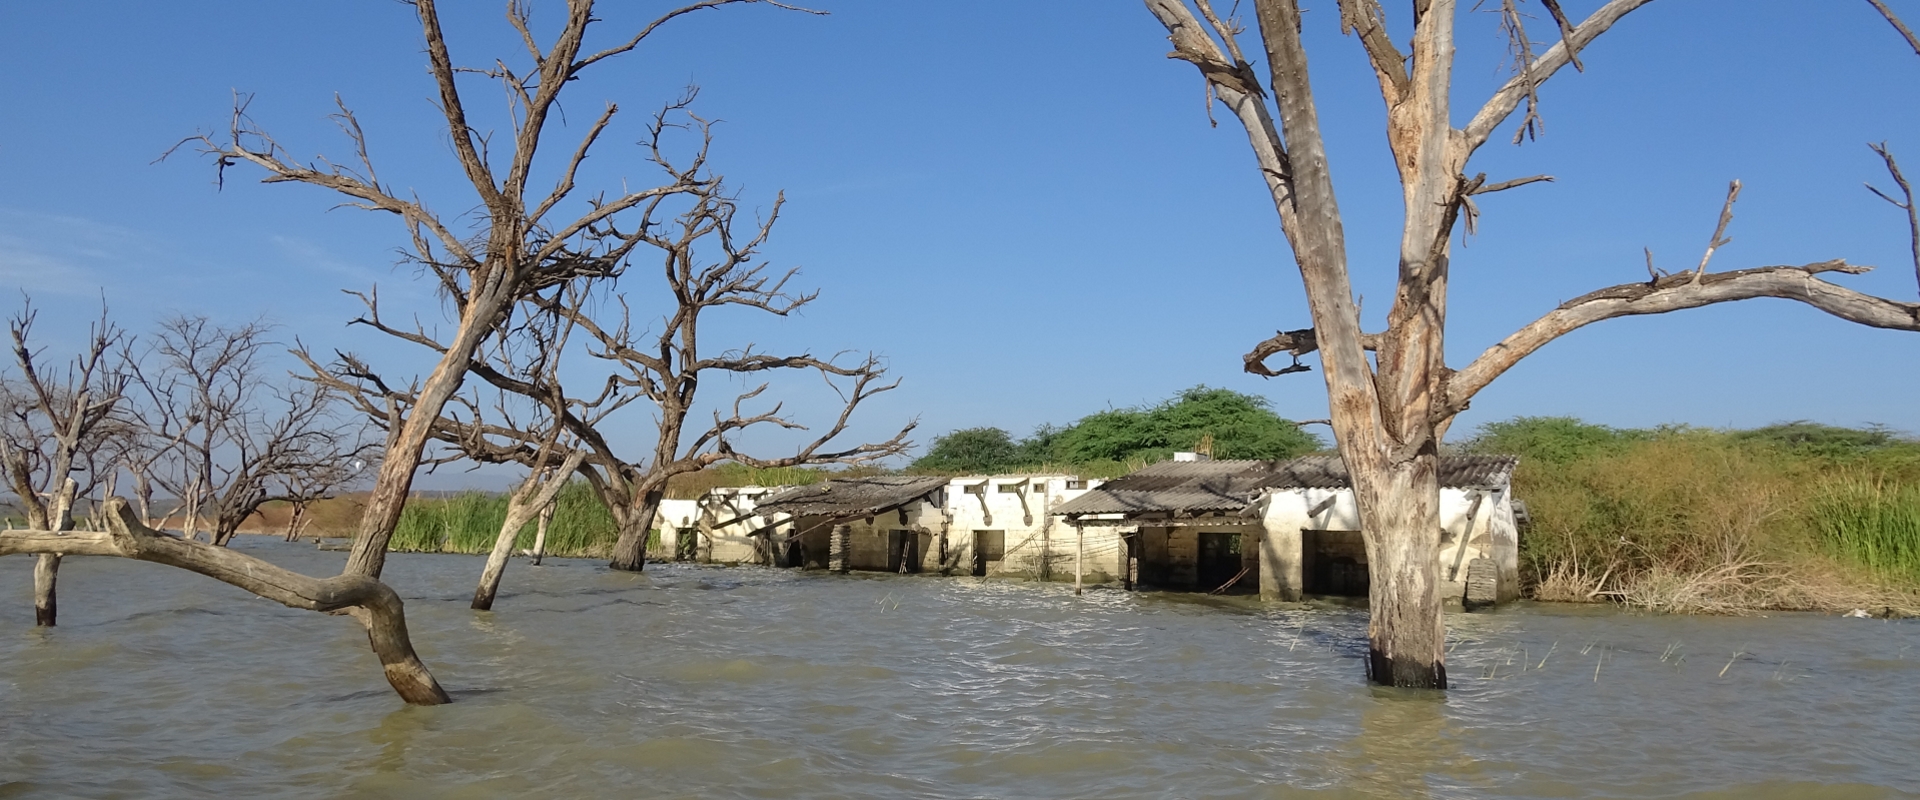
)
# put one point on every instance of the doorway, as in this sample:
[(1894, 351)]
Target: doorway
[(989, 547), (903, 551), (1220, 560), (1333, 563)]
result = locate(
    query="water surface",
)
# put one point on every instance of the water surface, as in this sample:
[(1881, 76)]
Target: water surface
[(694, 681)]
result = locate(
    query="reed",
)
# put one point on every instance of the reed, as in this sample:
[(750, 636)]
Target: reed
[(1872, 522), (468, 523)]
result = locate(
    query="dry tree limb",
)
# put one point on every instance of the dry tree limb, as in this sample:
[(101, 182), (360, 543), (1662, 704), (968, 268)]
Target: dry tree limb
[(1719, 238), (1676, 292), (372, 603), (1905, 204), (1894, 20)]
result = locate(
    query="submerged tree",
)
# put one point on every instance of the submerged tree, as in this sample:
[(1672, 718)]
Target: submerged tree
[(55, 423), (501, 245), (708, 265), (1391, 393)]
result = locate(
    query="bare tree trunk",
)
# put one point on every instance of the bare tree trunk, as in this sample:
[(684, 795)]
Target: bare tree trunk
[(1400, 516), (404, 447), (540, 534), (367, 600), (630, 550), (46, 570), (531, 499), (46, 605), (293, 520)]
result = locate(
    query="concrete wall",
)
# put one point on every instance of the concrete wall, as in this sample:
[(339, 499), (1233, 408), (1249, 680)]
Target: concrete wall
[(1170, 557), (1036, 544), (720, 527), (1493, 535)]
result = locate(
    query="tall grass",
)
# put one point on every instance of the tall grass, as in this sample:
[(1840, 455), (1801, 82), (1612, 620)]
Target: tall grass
[(468, 523), (1685, 519), (1872, 522)]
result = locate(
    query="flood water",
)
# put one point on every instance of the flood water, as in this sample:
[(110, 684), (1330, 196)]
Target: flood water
[(693, 681)]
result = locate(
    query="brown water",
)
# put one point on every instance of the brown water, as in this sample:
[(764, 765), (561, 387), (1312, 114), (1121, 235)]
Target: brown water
[(708, 682)]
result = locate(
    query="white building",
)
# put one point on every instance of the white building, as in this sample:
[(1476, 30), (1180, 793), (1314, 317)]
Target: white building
[(1290, 528)]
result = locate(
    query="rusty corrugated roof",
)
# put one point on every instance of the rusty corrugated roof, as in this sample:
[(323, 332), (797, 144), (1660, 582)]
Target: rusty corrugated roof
[(1190, 487), (848, 498)]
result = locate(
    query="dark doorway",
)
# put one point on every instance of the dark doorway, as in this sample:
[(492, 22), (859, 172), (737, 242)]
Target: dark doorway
[(903, 551), (686, 542), (988, 548), (1333, 563), (1220, 560)]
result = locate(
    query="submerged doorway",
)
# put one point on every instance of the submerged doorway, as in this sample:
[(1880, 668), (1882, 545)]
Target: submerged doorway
[(903, 551), (1220, 560), (989, 547), (1333, 563)]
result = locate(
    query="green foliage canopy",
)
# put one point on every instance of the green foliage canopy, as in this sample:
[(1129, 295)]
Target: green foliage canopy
[(1235, 425)]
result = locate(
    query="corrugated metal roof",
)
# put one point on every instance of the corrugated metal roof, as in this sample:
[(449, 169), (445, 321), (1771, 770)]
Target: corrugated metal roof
[(1190, 487), (848, 498)]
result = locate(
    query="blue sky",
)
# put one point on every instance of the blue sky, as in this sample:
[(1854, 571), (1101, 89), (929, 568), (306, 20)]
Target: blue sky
[(1021, 204)]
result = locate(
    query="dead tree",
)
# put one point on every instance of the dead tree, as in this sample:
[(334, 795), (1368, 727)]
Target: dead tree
[(54, 423), (1390, 410), (707, 265), (230, 435), (519, 242)]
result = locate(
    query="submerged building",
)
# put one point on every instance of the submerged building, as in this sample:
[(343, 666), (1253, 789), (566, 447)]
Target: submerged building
[(1289, 529), (1282, 529)]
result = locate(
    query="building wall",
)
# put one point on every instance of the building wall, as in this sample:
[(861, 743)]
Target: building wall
[(1493, 535), (720, 526), (1170, 557), (1037, 545)]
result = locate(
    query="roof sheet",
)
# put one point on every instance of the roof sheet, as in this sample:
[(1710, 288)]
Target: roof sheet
[(849, 497), (1188, 487)]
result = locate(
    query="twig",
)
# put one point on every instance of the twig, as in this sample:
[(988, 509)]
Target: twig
[(1719, 239)]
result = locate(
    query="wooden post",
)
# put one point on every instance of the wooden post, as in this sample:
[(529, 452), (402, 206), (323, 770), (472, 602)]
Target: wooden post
[(837, 545), (1046, 550), (1079, 555)]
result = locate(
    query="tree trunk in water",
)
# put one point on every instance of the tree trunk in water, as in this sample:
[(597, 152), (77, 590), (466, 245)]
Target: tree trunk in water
[(540, 534), (46, 606), (630, 551), (57, 515), (1400, 517), (404, 446), (372, 603), (535, 497), (293, 521)]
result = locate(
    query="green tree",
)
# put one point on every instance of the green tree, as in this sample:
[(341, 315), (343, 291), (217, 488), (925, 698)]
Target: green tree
[(1238, 425), (973, 450)]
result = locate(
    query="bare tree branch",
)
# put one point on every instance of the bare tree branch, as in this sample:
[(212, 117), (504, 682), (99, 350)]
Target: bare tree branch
[(1905, 203)]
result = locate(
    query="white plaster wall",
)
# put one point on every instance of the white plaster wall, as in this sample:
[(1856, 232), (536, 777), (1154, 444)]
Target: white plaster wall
[(1037, 543), (1492, 536)]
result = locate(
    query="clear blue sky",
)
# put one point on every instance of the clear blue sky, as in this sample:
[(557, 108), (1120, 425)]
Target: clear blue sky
[(1021, 204)]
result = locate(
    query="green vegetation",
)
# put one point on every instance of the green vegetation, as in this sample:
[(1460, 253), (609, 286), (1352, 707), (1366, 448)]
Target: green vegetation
[(1117, 441), (469, 521), (582, 527), (1790, 516)]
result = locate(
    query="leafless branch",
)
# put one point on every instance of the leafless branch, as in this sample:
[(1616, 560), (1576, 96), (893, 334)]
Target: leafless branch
[(1719, 238), (1894, 20), (1905, 203)]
